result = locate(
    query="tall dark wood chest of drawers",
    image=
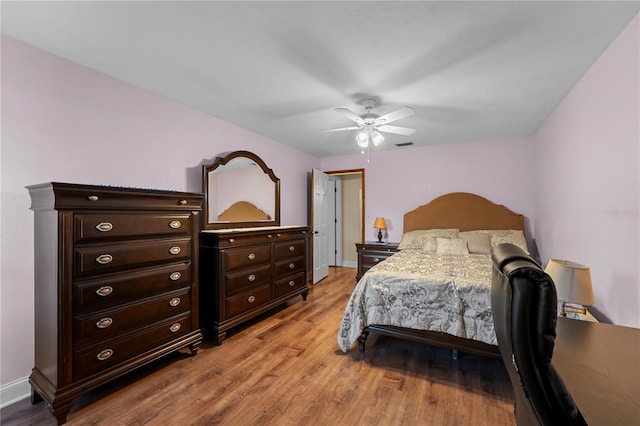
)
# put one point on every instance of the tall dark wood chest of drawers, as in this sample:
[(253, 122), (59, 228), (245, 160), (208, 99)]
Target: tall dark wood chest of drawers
[(245, 272), (116, 284)]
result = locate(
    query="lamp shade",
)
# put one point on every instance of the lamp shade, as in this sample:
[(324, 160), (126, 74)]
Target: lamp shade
[(572, 280), (380, 223)]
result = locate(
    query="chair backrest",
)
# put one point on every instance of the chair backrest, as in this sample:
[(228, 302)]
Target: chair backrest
[(524, 309)]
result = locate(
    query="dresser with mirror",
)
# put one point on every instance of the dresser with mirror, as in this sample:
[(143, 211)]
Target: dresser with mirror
[(249, 263)]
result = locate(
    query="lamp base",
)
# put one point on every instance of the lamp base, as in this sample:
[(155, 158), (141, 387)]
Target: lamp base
[(573, 309), (379, 235)]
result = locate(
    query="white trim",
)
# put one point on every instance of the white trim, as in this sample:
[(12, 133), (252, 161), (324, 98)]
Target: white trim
[(15, 391)]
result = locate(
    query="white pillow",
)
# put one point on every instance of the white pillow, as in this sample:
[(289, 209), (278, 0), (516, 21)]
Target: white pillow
[(478, 241), (451, 246), (425, 239), (513, 236)]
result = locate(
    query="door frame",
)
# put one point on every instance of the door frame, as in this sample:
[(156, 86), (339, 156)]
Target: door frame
[(361, 172)]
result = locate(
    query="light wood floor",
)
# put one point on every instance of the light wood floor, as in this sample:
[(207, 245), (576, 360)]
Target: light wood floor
[(287, 369)]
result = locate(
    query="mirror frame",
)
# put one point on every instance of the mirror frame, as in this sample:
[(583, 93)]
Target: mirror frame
[(221, 161)]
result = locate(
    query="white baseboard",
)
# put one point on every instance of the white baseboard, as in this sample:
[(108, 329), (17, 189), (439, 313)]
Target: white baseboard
[(15, 391), (349, 264)]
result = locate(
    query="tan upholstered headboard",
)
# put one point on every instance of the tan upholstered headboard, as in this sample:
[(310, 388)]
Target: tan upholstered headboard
[(464, 211), (242, 211)]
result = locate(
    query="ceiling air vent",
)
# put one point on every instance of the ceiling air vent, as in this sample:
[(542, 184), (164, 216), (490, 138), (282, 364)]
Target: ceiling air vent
[(404, 144)]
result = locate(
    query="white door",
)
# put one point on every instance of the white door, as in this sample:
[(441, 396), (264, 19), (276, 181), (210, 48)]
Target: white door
[(320, 184)]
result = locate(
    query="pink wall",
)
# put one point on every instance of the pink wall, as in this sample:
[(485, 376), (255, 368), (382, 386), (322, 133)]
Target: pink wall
[(401, 180), (62, 122), (589, 182)]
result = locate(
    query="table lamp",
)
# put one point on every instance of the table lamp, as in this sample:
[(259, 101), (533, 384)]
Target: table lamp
[(380, 224), (573, 284)]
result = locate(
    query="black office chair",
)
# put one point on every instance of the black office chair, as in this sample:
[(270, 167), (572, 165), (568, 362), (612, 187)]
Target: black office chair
[(524, 308)]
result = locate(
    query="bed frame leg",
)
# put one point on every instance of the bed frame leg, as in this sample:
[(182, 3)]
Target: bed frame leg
[(362, 340), (454, 354)]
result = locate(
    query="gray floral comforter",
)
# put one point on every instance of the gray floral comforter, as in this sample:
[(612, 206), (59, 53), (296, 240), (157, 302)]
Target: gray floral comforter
[(425, 291)]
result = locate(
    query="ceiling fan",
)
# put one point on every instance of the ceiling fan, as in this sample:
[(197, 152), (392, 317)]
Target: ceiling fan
[(370, 124)]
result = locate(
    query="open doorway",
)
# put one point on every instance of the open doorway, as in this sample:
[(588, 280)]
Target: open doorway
[(337, 217)]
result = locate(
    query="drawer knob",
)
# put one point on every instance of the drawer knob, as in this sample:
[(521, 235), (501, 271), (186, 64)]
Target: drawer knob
[(175, 276), (292, 248), (92, 198), (174, 302), (174, 250), (103, 259), (174, 224), (251, 299), (104, 354), (292, 265), (251, 278), (269, 236), (174, 327), (252, 256), (376, 259), (104, 226), (182, 202), (104, 290), (278, 235), (104, 322), (292, 283), (231, 240)]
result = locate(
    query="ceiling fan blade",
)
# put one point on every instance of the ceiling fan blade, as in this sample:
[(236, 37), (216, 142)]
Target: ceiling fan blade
[(403, 112), (406, 131), (350, 115), (342, 128)]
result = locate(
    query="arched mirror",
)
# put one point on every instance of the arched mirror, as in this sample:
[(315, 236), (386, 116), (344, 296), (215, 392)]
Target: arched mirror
[(240, 191)]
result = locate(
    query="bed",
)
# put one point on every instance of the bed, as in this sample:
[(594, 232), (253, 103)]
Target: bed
[(436, 295)]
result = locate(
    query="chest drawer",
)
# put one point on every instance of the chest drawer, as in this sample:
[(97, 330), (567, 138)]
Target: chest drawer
[(108, 324), (246, 257), (248, 300), (109, 258), (110, 353), (246, 278), (288, 267), (98, 227), (289, 284), (289, 249), (371, 259), (118, 289)]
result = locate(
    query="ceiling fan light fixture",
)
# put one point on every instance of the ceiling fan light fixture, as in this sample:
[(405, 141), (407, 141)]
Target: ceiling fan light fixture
[(362, 138), (377, 138)]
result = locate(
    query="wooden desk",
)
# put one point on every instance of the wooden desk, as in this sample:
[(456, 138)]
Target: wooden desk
[(600, 365)]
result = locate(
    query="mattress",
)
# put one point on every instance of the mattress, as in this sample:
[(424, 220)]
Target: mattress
[(449, 293)]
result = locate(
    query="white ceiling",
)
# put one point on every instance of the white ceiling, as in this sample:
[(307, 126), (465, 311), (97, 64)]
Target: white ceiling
[(471, 70)]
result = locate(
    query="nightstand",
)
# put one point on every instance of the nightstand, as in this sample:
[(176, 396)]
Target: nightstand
[(371, 253)]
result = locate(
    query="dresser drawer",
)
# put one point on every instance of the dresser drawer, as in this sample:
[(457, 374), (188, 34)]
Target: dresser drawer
[(93, 295), (289, 249), (108, 324), (234, 240), (287, 285), (246, 257), (113, 257), (247, 301), (291, 233), (98, 227), (246, 278), (110, 353), (289, 267)]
